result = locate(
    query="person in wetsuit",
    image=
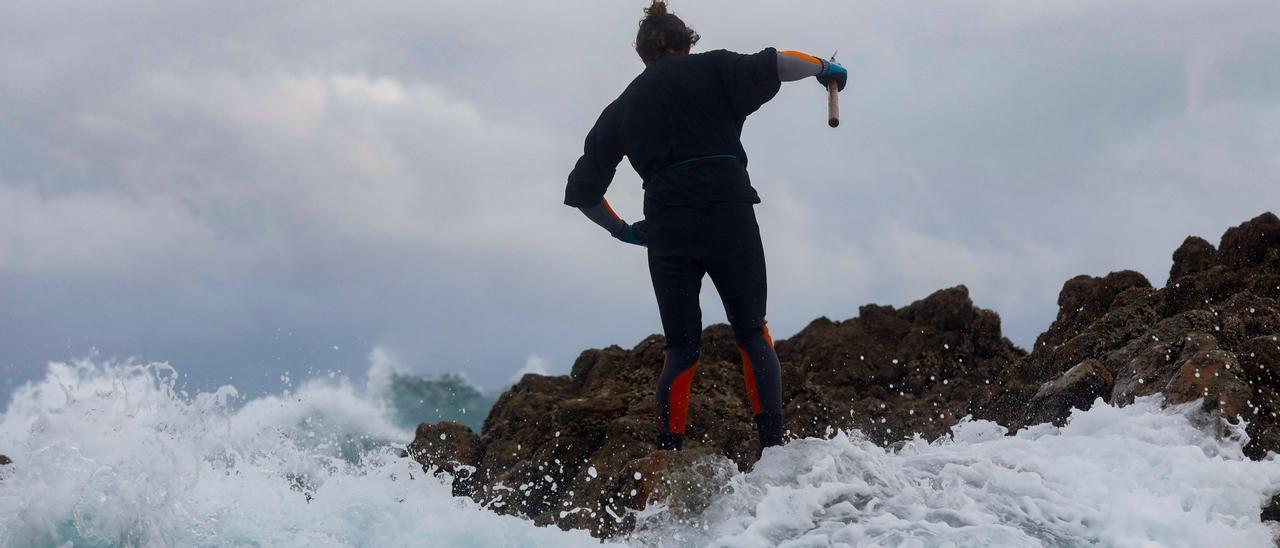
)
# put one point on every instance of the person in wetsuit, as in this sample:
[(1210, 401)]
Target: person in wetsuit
[(679, 124)]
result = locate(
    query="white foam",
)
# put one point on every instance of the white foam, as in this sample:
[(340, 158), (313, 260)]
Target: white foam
[(1141, 475), (111, 454)]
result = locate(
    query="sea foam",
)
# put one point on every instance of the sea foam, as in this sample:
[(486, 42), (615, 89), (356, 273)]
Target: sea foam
[(1141, 475), (112, 454)]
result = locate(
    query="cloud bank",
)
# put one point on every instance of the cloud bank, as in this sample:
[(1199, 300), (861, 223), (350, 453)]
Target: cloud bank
[(248, 189)]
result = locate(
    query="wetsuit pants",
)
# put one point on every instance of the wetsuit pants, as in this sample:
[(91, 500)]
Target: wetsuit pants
[(723, 241)]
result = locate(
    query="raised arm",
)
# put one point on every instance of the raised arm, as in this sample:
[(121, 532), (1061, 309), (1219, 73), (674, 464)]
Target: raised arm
[(795, 65)]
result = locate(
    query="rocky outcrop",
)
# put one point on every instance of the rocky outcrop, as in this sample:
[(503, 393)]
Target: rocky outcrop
[(1210, 334), (1194, 255), (5, 460), (447, 447), (577, 450), (1078, 388)]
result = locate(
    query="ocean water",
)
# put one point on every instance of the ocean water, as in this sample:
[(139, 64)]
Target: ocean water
[(113, 454)]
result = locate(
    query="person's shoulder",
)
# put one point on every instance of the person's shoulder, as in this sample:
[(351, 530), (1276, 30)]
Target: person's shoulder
[(715, 54), (720, 54)]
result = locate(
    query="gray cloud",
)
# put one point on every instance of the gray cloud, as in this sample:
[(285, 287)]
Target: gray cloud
[(240, 187)]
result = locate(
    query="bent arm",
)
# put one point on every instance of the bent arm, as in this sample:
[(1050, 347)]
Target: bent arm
[(603, 215), (601, 153)]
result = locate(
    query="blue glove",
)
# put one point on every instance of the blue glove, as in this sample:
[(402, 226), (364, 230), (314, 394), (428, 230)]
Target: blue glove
[(634, 234), (832, 71)]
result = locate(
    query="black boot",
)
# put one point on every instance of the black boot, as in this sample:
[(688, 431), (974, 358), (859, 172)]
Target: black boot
[(769, 427)]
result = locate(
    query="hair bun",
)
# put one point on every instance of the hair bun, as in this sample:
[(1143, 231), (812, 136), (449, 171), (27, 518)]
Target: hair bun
[(662, 32), (657, 9)]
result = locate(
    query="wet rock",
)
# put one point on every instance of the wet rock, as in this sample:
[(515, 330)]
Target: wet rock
[(577, 451), (1213, 376), (565, 450), (447, 448), (686, 482), (1078, 388), (1216, 306), (1271, 512)]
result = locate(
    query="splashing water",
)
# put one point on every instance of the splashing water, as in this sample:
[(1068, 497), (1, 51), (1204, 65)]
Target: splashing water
[(112, 454), (1141, 475)]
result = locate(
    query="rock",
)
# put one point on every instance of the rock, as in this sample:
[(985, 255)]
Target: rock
[(1078, 388), (565, 450), (1271, 512), (1204, 336), (1084, 300), (1213, 376), (686, 482), (1253, 243), (447, 447), (1194, 255), (5, 460), (576, 451)]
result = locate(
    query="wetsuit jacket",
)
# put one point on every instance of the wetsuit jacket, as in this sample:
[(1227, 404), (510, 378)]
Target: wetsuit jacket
[(679, 123)]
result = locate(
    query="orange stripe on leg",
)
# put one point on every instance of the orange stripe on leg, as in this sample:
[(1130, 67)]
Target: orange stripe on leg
[(680, 389), (749, 374)]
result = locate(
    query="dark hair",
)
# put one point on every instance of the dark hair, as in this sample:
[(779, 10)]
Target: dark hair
[(661, 31)]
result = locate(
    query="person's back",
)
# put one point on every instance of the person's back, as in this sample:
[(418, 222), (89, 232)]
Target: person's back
[(679, 123)]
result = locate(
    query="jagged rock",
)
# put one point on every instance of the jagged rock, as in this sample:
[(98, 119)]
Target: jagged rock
[(1214, 376), (577, 451), (1084, 300), (891, 373), (1254, 243), (1194, 255), (1206, 335), (1078, 388), (565, 450), (447, 447), (685, 481), (1271, 512)]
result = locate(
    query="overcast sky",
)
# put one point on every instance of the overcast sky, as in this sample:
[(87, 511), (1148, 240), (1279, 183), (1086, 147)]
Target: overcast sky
[(249, 188)]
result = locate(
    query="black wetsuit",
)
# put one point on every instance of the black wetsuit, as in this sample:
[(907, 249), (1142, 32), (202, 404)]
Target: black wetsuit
[(679, 123)]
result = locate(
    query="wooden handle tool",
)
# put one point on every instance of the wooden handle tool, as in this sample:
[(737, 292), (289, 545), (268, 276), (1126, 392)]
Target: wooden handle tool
[(833, 104)]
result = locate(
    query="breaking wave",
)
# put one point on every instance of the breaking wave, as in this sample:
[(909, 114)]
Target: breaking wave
[(1140, 475), (113, 454)]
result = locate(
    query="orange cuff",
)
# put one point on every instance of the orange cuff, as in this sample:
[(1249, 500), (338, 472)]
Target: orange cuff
[(802, 55)]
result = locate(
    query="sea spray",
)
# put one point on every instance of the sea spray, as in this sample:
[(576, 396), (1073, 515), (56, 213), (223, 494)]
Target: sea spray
[(114, 455), (110, 454), (1141, 475), (413, 399)]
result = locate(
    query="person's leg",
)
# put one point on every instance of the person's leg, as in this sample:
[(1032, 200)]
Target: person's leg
[(674, 385), (738, 271), (677, 280)]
